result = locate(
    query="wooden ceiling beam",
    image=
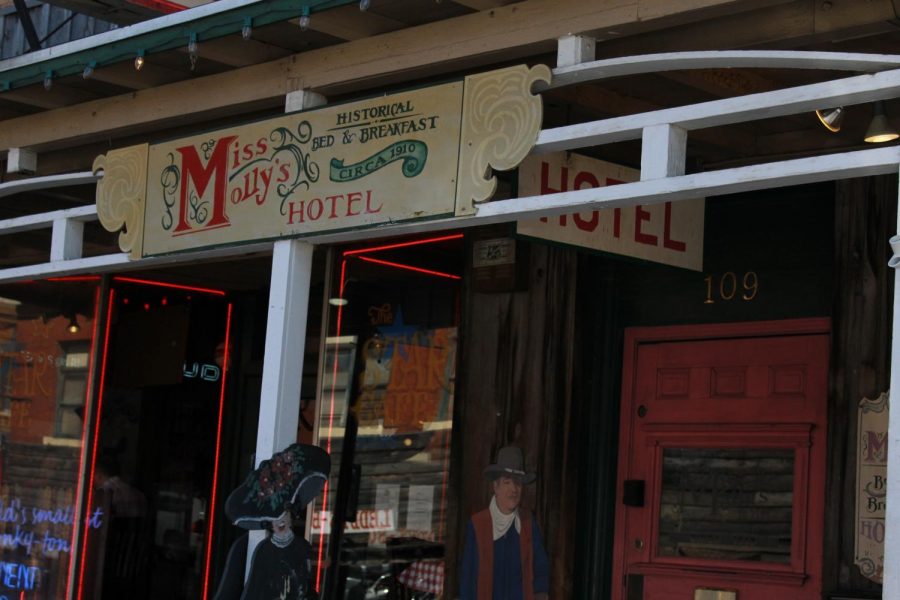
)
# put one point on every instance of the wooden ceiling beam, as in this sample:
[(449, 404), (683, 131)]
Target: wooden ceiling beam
[(482, 4), (59, 96), (237, 52), (507, 33), (786, 25), (124, 74), (348, 23)]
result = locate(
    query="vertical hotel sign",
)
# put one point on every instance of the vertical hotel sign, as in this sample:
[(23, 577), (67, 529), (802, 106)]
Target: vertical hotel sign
[(871, 485), (421, 154)]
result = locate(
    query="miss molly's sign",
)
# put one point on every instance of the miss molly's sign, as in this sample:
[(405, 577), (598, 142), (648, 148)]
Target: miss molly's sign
[(421, 154)]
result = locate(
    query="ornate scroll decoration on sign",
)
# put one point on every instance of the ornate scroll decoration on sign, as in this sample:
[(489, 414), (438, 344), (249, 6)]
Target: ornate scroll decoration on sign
[(120, 194), (422, 154), (501, 122)]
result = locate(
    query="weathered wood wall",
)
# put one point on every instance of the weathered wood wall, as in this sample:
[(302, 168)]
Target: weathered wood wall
[(865, 212), (515, 387)]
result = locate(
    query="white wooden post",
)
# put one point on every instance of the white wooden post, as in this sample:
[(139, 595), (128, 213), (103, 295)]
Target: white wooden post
[(279, 403), (66, 239), (891, 580), (575, 49), (663, 151)]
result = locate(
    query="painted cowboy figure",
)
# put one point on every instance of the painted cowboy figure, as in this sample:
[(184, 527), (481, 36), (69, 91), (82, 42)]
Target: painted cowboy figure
[(504, 556)]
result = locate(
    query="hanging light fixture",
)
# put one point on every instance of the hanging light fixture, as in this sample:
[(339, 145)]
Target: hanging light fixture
[(88, 70), (364, 5), (247, 29), (831, 118), (139, 60), (880, 130), (48, 80), (73, 326)]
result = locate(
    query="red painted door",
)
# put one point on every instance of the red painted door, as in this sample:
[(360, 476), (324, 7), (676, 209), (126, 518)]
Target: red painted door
[(722, 462)]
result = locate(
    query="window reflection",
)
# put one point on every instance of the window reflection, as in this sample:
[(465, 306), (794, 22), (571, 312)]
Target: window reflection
[(46, 331), (386, 400)]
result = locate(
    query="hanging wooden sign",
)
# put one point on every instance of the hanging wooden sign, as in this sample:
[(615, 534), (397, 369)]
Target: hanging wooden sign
[(670, 233), (415, 155), (871, 485)]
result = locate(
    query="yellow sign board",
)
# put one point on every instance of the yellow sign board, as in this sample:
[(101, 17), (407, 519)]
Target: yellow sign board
[(421, 154), (670, 233)]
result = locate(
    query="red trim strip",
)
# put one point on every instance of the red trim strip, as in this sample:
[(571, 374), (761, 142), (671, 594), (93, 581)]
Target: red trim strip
[(162, 6)]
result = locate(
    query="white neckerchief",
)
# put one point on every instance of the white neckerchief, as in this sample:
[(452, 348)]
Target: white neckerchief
[(284, 540), (502, 522)]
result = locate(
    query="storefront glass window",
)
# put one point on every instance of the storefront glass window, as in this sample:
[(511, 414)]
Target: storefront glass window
[(46, 350), (386, 413)]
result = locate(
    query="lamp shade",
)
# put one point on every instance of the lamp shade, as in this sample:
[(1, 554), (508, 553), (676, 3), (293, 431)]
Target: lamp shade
[(831, 118), (880, 130)]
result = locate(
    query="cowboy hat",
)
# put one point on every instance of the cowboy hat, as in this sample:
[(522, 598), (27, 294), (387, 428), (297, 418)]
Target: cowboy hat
[(510, 463)]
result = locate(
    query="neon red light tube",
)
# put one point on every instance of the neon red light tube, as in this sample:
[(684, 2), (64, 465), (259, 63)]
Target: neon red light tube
[(408, 267), (340, 313), (212, 500), (96, 439), (433, 240), (87, 401), (176, 286)]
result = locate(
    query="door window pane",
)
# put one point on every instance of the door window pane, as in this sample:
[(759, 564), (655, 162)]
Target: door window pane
[(727, 504)]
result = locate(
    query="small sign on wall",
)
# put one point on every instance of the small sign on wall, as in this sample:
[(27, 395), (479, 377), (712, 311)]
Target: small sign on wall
[(871, 485), (670, 233)]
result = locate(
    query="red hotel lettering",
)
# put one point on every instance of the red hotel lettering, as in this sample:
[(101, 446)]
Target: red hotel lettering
[(641, 215), (301, 211), (581, 178), (194, 171), (668, 242)]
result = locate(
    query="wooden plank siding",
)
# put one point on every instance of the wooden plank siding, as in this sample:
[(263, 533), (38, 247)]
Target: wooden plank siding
[(860, 358), (516, 367)]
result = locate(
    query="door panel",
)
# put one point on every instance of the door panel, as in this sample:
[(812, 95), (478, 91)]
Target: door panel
[(728, 437)]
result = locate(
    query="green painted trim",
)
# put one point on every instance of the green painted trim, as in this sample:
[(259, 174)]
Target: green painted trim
[(204, 27)]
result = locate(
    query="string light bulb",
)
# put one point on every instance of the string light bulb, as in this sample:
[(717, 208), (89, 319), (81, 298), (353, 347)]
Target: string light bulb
[(88, 70), (192, 50), (247, 29), (48, 80), (139, 60), (364, 5), (304, 18)]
